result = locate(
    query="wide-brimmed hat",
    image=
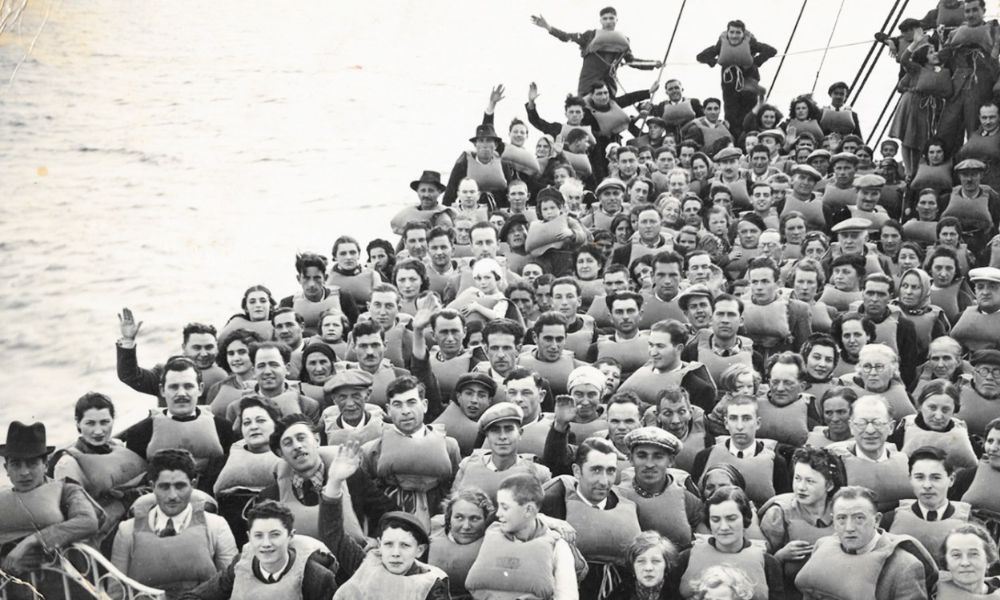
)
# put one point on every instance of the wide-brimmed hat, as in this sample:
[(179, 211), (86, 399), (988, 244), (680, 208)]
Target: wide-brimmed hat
[(431, 177), (485, 131), (25, 441)]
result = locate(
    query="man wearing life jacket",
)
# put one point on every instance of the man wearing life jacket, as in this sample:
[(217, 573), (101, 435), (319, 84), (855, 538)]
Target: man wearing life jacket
[(370, 347), (482, 164), (674, 413), (314, 298), (730, 175), (838, 188), (677, 110), (774, 323), (626, 344), (838, 117), (616, 278), (666, 342), (977, 485), (200, 344), (588, 417), (719, 347), (765, 471), (348, 415), (696, 301), (610, 194), (270, 360), (442, 270), (288, 329), (977, 207), (502, 341), (804, 200), (980, 398), (411, 462), (384, 308), (472, 395), (514, 234), (527, 389), (604, 520), (979, 326), (898, 565), (276, 563), (648, 239), (740, 55), (176, 545), (183, 424), (602, 51), (574, 109), (428, 188), (787, 412), (581, 331), (39, 514), (661, 302), (414, 239), (870, 461), (549, 358), (852, 240), (890, 328), (971, 54), (709, 130)]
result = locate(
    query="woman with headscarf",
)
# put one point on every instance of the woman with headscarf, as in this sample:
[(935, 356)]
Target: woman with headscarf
[(318, 360), (914, 302)]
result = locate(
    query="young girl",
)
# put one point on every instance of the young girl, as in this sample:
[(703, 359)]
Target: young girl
[(722, 582), (555, 234), (333, 330), (486, 301)]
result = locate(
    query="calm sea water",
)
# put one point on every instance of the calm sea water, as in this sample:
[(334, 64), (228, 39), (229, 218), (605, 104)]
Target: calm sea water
[(166, 155)]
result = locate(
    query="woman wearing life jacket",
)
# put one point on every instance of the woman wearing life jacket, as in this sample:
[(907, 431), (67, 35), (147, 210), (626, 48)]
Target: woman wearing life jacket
[(834, 407), (717, 477), (651, 559), (764, 117), (702, 174), (793, 522), (349, 274), (926, 86), (852, 331), (792, 226), (970, 553), (934, 171), (257, 304), (890, 236), (877, 374), (234, 357), (588, 270), (457, 536), (935, 425), (381, 257), (923, 228), (914, 302), (803, 117), (621, 228), (318, 362), (410, 278), (949, 289)]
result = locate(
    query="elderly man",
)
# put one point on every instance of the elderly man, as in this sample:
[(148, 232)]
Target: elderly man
[(898, 566), (980, 401), (610, 194), (428, 188), (61, 511), (483, 165), (674, 413), (199, 344), (665, 367), (977, 207), (979, 326), (869, 188), (315, 298), (852, 240), (348, 415), (785, 413)]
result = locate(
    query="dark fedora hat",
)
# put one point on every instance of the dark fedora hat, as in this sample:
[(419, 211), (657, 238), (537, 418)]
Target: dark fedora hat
[(486, 131), (25, 441), (432, 177)]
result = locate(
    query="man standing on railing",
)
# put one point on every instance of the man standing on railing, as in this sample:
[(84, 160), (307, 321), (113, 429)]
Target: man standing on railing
[(38, 514)]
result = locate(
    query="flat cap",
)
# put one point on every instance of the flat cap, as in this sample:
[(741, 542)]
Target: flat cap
[(986, 357), (869, 180), (985, 274), (729, 153), (909, 23), (406, 522), (653, 436), (970, 164), (819, 153), (842, 156), (852, 224), (608, 183), (774, 133), (347, 378), (656, 121), (476, 379), (694, 291), (808, 171), (501, 411), (836, 86)]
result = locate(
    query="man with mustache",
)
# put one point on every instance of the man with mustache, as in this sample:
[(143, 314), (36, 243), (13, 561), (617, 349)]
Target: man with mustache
[(369, 348), (428, 188), (549, 358)]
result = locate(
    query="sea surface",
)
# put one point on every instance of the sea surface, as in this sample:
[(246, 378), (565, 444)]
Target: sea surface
[(164, 156)]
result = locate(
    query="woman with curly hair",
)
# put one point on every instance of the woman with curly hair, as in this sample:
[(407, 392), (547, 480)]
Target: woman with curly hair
[(803, 117)]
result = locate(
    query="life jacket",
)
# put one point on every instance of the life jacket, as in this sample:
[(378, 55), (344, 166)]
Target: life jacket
[(638, 249), (978, 37), (972, 213), (664, 513), (986, 149), (693, 442), (439, 283), (490, 176), (704, 555), (613, 42), (947, 590), (976, 330), (654, 310), (522, 160), (929, 533), (336, 434), (717, 365), (630, 354), (818, 437), (177, 563), (246, 470), (886, 331), (359, 287), (795, 529), (372, 581), (982, 492), (675, 115), (890, 479), (510, 568), (594, 428), (458, 426), (24, 513), (262, 328), (821, 319), (767, 325), (810, 126), (383, 377), (566, 128), (758, 470), (102, 473), (937, 178), (934, 82), (735, 56), (474, 472), (197, 436), (950, 17), (947, 298), (599, 312), (289, 402), (921, 232), (310, 311), (602, 535), (839, 197), (543, 235), (589, 289), (579, 341), (955, 442), (579, 162), (414, 463), (878, 217), (307, 517), (246, 585), (811, 210), (610, 121), (977, 411), (411, 213), (900, 403), (711, 134), (452, 558), (647, 383), (448, 372), (823, 574), (230, 390), (556, 373), (840, 121), (787, 424), (533, 435), (838, 299)]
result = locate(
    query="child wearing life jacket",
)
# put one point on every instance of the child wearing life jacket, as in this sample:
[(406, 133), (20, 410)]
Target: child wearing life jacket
[(554, 231), (723, 582)]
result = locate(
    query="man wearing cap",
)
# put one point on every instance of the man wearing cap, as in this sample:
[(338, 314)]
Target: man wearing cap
[(979, 326), (728, 162), (977, 207), (393, 569), (673, 412), (984, 144), (428, 188), (696, 301), (663, 504), (484, 165), (610, 194), (838, 117), (838, 188), (61, 511), (869, 189), (980, 401), (852, 240), (501, 425), (666, 343), (720, 347), (473, 394), (677, 110), (710, 130), (348, 415), (656, 129), (773, 322), (820, 160), (626, 344), (804, 200)]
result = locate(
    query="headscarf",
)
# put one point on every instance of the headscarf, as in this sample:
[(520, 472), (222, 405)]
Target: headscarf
[(924, 304), (311, 349)]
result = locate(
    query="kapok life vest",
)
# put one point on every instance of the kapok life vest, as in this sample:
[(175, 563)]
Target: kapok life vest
[(976, 330), (955, 442), (837, 121), (977, 37), (612, 120), (704, 555), (976, 410), (246, 586), (937, 177), (890, 479), (735, 56), (102, 473), (982, 492), (838, 299), (556, 373), (630, 354), (336, 435), (664, 513), (675, 115), (602, 535), (757, 470), (522, 160), (414, 463), (973, 213), (579, 341), (262, 328), (579, 162), (307, 517), (934, 81), (447, 372), (543, 235), (795, 529), (510, 568), (786, 424), (648, 384), (609, 41), (177, 563), (453, 558), (197, 436), (458, 426), (947, 590), (24, 513), (710, 133), (654, 309), (767, 324), (490, 176), (810, 126), (475, 472), (929, 533), (811, 210), (246, 470), (372, 581), (359, 287), (310, 311), (838, 197), (921, 232)]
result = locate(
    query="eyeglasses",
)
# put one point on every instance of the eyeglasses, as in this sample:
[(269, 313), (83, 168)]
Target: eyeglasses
[(873, 368), (993, 372), (863, 424)]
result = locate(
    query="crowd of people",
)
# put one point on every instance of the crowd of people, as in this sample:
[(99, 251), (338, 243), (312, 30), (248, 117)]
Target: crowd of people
[(685, 349)]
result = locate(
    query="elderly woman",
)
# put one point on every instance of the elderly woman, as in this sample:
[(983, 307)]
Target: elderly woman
[(250, 466), (877, 373), (969, 554), (935, 425), (650, 558), (793, 522), (234, 357), (257, 306), (944, 361), (318, 362), (852, 331), (834, 407), (914, 302), (107, 470), (349, 274), (457, 535), (729, 513)]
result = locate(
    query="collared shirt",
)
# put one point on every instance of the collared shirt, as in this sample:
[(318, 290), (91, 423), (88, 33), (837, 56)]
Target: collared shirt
[(348, 427), (724, 352), (158, 520), (749, 452), (316, 477), (939, 511), (271, 576), (870, 545), (986, 133), (884, 456), (418, 434)]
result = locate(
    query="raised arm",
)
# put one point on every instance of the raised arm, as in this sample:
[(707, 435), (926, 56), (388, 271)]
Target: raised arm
[(129, 371), (349, 554)]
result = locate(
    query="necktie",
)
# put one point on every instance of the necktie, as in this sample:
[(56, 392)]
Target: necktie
[(169, 530), (932, 515), (739, 454), (309, 496)]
